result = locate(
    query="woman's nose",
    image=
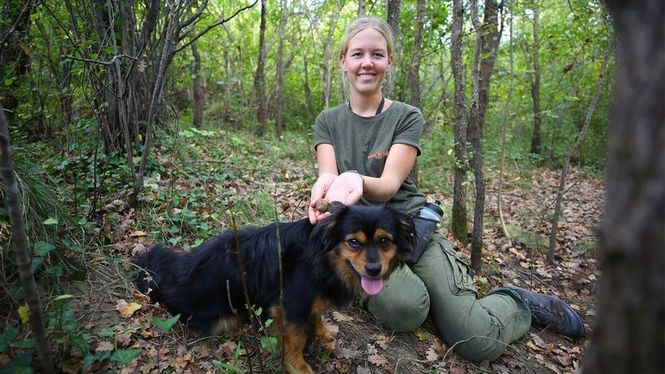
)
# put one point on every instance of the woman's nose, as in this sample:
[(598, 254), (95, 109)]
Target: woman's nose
[(367, 62)]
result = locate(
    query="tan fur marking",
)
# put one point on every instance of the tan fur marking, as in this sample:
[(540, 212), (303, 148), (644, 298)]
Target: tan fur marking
[(326, 334), (225, 325), (388, 254), (295, 338)]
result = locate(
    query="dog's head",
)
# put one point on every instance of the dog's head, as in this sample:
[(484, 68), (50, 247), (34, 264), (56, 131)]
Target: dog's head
[(362, 245)]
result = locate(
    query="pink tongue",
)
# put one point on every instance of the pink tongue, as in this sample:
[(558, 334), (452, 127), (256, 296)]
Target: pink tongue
[(371, 286)]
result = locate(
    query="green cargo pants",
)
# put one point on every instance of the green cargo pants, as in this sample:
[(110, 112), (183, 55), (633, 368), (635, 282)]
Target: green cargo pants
[(439, 283)]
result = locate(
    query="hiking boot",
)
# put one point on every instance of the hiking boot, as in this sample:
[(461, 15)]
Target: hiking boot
[(551, 311)]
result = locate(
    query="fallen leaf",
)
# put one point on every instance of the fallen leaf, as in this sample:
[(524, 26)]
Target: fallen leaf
[(346, 353), (431, 355), (340, 317), (24, 314), (549, 347), (127, 309), (104, 347), (458, 370), (141, 297), (377, 360), (383, 341), (538, 340)]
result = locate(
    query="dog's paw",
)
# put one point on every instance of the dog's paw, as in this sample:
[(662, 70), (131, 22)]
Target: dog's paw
[(299, 367), (327, 335)]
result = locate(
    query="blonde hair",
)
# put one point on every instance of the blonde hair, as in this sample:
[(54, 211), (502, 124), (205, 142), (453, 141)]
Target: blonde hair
[(362, 23)]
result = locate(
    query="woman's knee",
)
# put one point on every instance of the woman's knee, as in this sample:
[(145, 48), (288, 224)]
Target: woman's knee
[(404, 313), (404, 303)]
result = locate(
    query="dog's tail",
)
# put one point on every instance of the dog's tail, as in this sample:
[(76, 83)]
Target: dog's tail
[(155, 265)]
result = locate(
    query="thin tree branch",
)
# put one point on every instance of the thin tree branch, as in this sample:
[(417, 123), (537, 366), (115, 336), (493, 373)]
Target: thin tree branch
[(107, 63), (212, 26), (26, 6), (21, 246)]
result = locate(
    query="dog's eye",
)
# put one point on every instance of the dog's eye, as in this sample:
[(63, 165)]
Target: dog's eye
[(384, 242), (353, 243)]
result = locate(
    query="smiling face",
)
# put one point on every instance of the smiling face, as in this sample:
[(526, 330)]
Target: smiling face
[(366, 62)]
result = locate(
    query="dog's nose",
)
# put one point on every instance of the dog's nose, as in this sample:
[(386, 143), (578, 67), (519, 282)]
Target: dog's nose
[(373, 269)]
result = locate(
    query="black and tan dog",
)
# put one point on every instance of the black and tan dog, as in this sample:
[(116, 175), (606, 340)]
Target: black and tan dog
[(351, 252)]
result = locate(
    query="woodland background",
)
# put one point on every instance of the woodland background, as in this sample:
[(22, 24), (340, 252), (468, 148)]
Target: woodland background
[(135, 122)]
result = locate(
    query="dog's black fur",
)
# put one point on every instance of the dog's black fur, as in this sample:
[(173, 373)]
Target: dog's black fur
[(322, 265)]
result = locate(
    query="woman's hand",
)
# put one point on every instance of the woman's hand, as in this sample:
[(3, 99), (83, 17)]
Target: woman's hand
[(347, 188), (319, 191)]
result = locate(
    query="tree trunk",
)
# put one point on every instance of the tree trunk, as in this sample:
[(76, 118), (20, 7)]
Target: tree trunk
[(459, 224), (535, 81), (392, 18), (279, 120), (309, 100), (199, 93), (506, 127), (170, 34), (362, 11), (22, 248), (413, 75), (14, 61), (573, 149), (628, 329), (328, 57), (259, 78), (486, 47)]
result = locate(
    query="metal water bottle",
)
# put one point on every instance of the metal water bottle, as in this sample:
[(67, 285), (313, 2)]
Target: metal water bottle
[(425, 224), (432, 212)]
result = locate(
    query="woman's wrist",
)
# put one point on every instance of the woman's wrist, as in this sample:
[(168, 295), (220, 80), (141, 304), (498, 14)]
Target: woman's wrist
[(356, 172)]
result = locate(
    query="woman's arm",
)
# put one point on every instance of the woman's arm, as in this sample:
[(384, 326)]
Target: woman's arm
[(399, 163), (349, 186)]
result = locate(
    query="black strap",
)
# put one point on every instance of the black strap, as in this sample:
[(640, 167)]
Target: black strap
[(378, 110)]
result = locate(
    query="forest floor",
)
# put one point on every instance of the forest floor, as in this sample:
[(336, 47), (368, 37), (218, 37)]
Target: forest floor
[(363, 345), (124, 332)]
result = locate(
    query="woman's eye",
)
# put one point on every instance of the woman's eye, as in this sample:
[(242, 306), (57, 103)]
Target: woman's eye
[(353, 243)]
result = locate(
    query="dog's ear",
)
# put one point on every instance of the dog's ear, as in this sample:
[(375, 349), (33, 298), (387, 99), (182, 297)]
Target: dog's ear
[(323, 237), (406, 237)]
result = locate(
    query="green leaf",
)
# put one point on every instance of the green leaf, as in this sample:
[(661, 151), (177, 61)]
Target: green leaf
[(43, 248), (8, 336), (90, 359), (36, 263), (125, 356), (21, 363), (106, 332), (63, 297), (23, 344), (269, 343), (165, 325), (50, 221)]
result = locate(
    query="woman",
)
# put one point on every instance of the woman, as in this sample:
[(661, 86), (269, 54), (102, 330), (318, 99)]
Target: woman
[(366, 149)]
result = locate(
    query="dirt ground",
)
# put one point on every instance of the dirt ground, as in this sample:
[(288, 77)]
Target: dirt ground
[(363, 346)]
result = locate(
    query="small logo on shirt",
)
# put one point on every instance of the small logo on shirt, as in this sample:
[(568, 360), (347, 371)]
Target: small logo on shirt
[(378, 155)]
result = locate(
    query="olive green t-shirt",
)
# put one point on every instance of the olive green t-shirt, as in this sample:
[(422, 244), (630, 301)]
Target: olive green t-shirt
[(363, 143)]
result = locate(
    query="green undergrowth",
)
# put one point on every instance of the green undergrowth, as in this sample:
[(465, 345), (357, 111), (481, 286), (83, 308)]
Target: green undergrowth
[(197, 183)]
